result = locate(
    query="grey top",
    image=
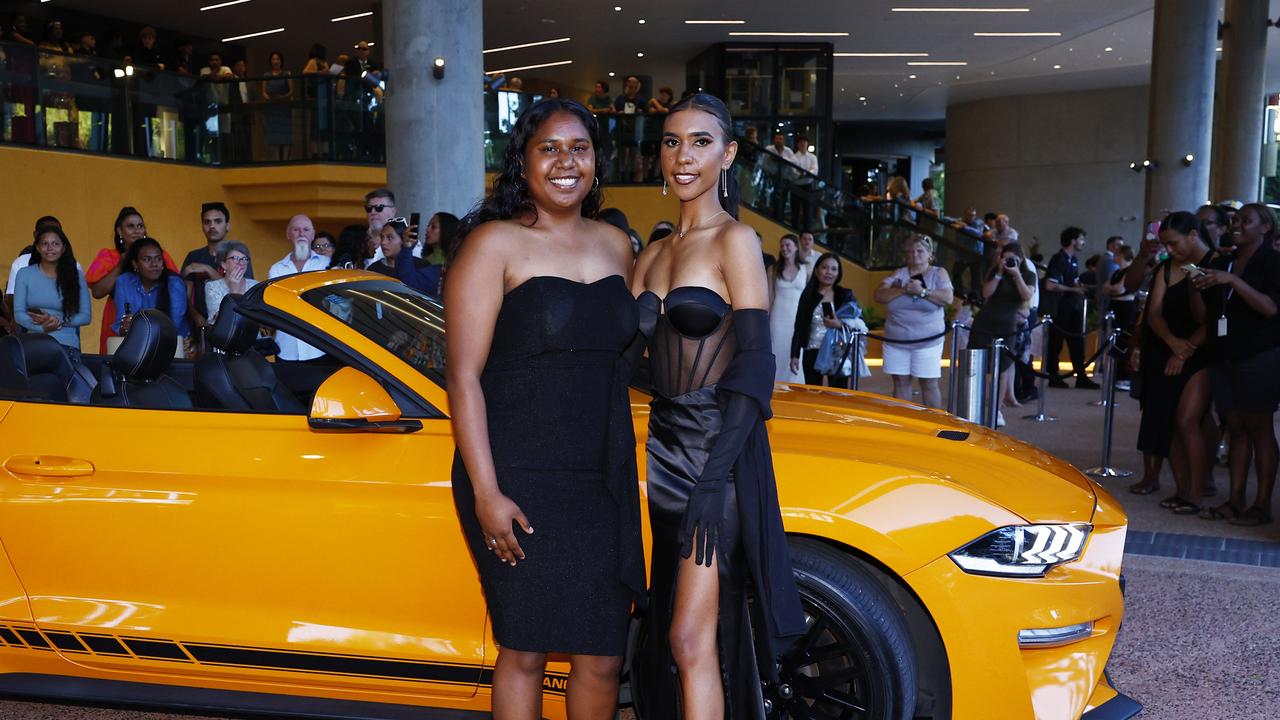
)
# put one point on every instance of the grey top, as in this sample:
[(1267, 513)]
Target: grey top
[(34, 291), (911, 317)]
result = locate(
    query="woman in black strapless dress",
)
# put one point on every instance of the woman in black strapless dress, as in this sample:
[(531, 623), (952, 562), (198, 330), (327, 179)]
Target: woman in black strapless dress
[(539, 315), (717, 528)]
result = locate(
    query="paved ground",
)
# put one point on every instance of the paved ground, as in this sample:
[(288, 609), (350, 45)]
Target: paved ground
[(1199, 639)]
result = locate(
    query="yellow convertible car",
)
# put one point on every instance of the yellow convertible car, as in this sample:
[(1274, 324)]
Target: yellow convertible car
[(201, 535)]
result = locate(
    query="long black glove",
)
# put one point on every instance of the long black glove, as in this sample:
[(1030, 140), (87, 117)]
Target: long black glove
[(700, 529)]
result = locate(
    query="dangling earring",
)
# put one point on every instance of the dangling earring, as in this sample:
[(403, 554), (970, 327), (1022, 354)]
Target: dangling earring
[(724, 182), (664, 187), (595, 183)]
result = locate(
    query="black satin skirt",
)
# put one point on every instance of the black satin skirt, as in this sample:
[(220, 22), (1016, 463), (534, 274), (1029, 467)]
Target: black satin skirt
[(681, 433)]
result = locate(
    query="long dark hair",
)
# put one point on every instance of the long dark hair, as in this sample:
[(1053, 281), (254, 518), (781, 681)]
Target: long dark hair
[(351, 246), (715, 107), (68, 277), (510, 197), (448, 233), (1183, 223), (125, 212), (130, 260), (811, 295)]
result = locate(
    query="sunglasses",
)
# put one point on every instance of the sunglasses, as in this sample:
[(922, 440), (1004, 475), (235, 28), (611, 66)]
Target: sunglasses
[(376, 208)]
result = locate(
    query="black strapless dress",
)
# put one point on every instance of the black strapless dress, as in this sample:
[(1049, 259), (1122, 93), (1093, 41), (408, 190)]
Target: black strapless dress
[(693, 345), (564, 450)]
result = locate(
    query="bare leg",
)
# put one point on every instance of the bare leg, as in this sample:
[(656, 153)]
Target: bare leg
[(1195, 398), (593, 687), (901, 386), (1212, 435), (517, 685), (1178, 465), (694, 623), (931, 392), (1006, 389), (1261, 429), (1241, 455)]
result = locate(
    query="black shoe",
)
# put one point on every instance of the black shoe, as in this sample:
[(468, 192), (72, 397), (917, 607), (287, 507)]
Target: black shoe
[(1084, 383), (1057, 382)]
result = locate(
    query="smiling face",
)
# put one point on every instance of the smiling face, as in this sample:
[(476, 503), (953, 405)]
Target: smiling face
[(827, 272), (694, 152), (131, 229), (391, 241), (787, 249), (560, 163), (1248, 227), (50, 247)]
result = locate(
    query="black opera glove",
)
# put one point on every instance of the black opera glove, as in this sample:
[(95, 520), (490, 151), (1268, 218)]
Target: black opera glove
[(700, 529)]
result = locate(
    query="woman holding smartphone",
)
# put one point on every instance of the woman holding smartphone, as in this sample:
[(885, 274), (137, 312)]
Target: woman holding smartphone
[(712, 500), (816, 314), (1006, 294)]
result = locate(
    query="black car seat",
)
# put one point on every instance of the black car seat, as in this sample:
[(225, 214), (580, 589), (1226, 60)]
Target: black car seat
[(134, 376), (239, 378), (34, 366)]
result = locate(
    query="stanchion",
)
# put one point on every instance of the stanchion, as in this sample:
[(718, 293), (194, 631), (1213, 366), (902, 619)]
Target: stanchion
[(1105, 359), (993, 410), (855, 378), (952, 387), (1042, 383), (1105, 470)]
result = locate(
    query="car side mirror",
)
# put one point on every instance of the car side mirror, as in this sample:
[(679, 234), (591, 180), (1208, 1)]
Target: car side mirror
[(351, 401)]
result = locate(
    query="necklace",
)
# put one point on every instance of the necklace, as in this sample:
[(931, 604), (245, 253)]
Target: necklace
[(682, 233)]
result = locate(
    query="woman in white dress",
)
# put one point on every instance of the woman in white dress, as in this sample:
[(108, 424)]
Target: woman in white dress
[(787, 279)]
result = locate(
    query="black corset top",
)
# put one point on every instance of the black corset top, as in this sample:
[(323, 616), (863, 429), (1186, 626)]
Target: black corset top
[(691, 339)]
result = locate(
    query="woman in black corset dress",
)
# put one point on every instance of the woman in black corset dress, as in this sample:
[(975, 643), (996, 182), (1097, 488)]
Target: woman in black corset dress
[(539, 314), (713, 505)]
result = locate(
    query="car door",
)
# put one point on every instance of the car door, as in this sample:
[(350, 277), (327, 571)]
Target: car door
[(242, 547)]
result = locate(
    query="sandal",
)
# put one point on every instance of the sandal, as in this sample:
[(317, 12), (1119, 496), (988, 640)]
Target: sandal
[(1171, 502), (1252, 517), (1146, 487), (1185, 507), (1225, 511), (1209, 491)]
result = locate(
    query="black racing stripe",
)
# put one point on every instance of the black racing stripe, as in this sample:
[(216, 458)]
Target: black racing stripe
[(34, 639), (65, 641), (10, 636), (552, 683), (333, 664), (156, 649), (104, 645)]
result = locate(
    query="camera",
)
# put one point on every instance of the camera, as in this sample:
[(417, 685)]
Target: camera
[(1010, 262)]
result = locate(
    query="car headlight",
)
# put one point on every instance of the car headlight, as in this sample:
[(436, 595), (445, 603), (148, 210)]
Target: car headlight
[(1023, 550)]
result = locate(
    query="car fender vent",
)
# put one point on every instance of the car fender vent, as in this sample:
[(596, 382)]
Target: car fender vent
[(956, 435)]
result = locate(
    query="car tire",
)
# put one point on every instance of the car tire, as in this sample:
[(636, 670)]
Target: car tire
[(856, 662)]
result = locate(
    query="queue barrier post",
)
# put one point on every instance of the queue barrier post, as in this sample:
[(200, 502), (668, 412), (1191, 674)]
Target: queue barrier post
[(1042, 383), (954, 369), (855, 378), (1105, 360), (993, 409), (1104, 470)]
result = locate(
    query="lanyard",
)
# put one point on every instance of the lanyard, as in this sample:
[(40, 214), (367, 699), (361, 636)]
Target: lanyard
[(1230, 290)]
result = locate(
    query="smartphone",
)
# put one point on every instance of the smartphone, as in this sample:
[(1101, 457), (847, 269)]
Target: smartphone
[(828, 311), (413, 220), (918, 277), (1193, 270)]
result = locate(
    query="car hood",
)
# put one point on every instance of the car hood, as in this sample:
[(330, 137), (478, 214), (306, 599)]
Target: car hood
[(874, 429)]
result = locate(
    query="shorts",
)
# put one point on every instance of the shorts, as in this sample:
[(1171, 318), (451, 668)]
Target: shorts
[(918, 361), (1251, 385)]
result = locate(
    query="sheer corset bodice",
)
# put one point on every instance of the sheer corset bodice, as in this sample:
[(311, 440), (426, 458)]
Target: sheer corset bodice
[(691, 339)]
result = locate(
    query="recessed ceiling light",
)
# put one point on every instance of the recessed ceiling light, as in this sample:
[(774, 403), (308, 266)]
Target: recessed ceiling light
[(1017, 34), (351, 17), (1106, 49), (862, 98), (940, 62), (214, 7), (911, 77), (789, 34), (249, 35), (641, 21), (715, 22), (613, 74), (617, 8), (881, 54), (528, 67), (526, 45), (959, 10), (1057, 67), (639, 54)]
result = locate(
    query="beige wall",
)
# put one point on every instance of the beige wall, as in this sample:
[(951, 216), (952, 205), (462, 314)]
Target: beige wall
[(1050, 161)]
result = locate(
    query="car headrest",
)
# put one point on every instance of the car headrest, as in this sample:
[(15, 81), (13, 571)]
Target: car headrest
[(148, 347), (36, 354), (233, 333)]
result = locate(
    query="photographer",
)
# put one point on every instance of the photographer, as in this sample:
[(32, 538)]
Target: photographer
[(1007, 292)]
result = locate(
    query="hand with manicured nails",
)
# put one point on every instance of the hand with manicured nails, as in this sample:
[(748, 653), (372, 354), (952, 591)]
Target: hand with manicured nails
[(498, 514), (700, 529)]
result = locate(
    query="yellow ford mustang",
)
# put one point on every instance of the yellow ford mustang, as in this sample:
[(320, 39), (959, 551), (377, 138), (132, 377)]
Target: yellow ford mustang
[(189, 534)]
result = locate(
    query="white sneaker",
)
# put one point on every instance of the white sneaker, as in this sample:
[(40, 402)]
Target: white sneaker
[(999, 418)]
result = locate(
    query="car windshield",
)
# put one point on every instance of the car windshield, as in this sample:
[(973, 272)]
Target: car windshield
[(400, 319)]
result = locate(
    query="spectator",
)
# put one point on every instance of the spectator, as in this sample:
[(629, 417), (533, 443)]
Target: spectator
[(18, 32), (637, 243), (201, 265), (631, 102), (1217, 224), (974, 231), (1240, 295), (300, 366), (51, 296), (28, 256), (816, 313), (146, 54), (914, 297), (215, 70), (234, 263), (1002, 231), (54, 39), (339, 64), (515, 84), (600, 102), (316, 62), (87, 44), (898, 190), (614, 217), (183, 59), (929, 200), (779, 148), (661, 229), (1089, 278), (787, 281), (277, 92), (351, 250), (106, 268), (1067, 309), (1107, 265), (147, 284), (392, 239), (663, 102), (808, 254), (379, 207), (362, 59), (1175, 385), (554, 92), (805, 158), (316, 89), (324, 244), (441, 234), (1006, 294), (1125, 306)]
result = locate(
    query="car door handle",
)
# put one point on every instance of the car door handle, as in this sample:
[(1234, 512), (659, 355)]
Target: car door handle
[(53, 466)]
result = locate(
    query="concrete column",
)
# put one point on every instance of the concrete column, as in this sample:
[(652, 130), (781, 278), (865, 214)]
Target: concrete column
[(1183, 51), (1239, 111), (434, 128)]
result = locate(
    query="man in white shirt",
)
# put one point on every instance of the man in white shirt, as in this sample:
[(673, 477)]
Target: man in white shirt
[(807, 253), (779, 148), (807, 160), (802, 204), (300, 366)]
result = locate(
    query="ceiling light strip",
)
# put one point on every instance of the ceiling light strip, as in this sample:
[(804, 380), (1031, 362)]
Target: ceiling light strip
[(252, 35), (881, 54), (528, 67), (715, 22), (946, 63), (527, 45), (351, 17), (1017, 34), (958, 10), (789, 34), (210, 7)]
